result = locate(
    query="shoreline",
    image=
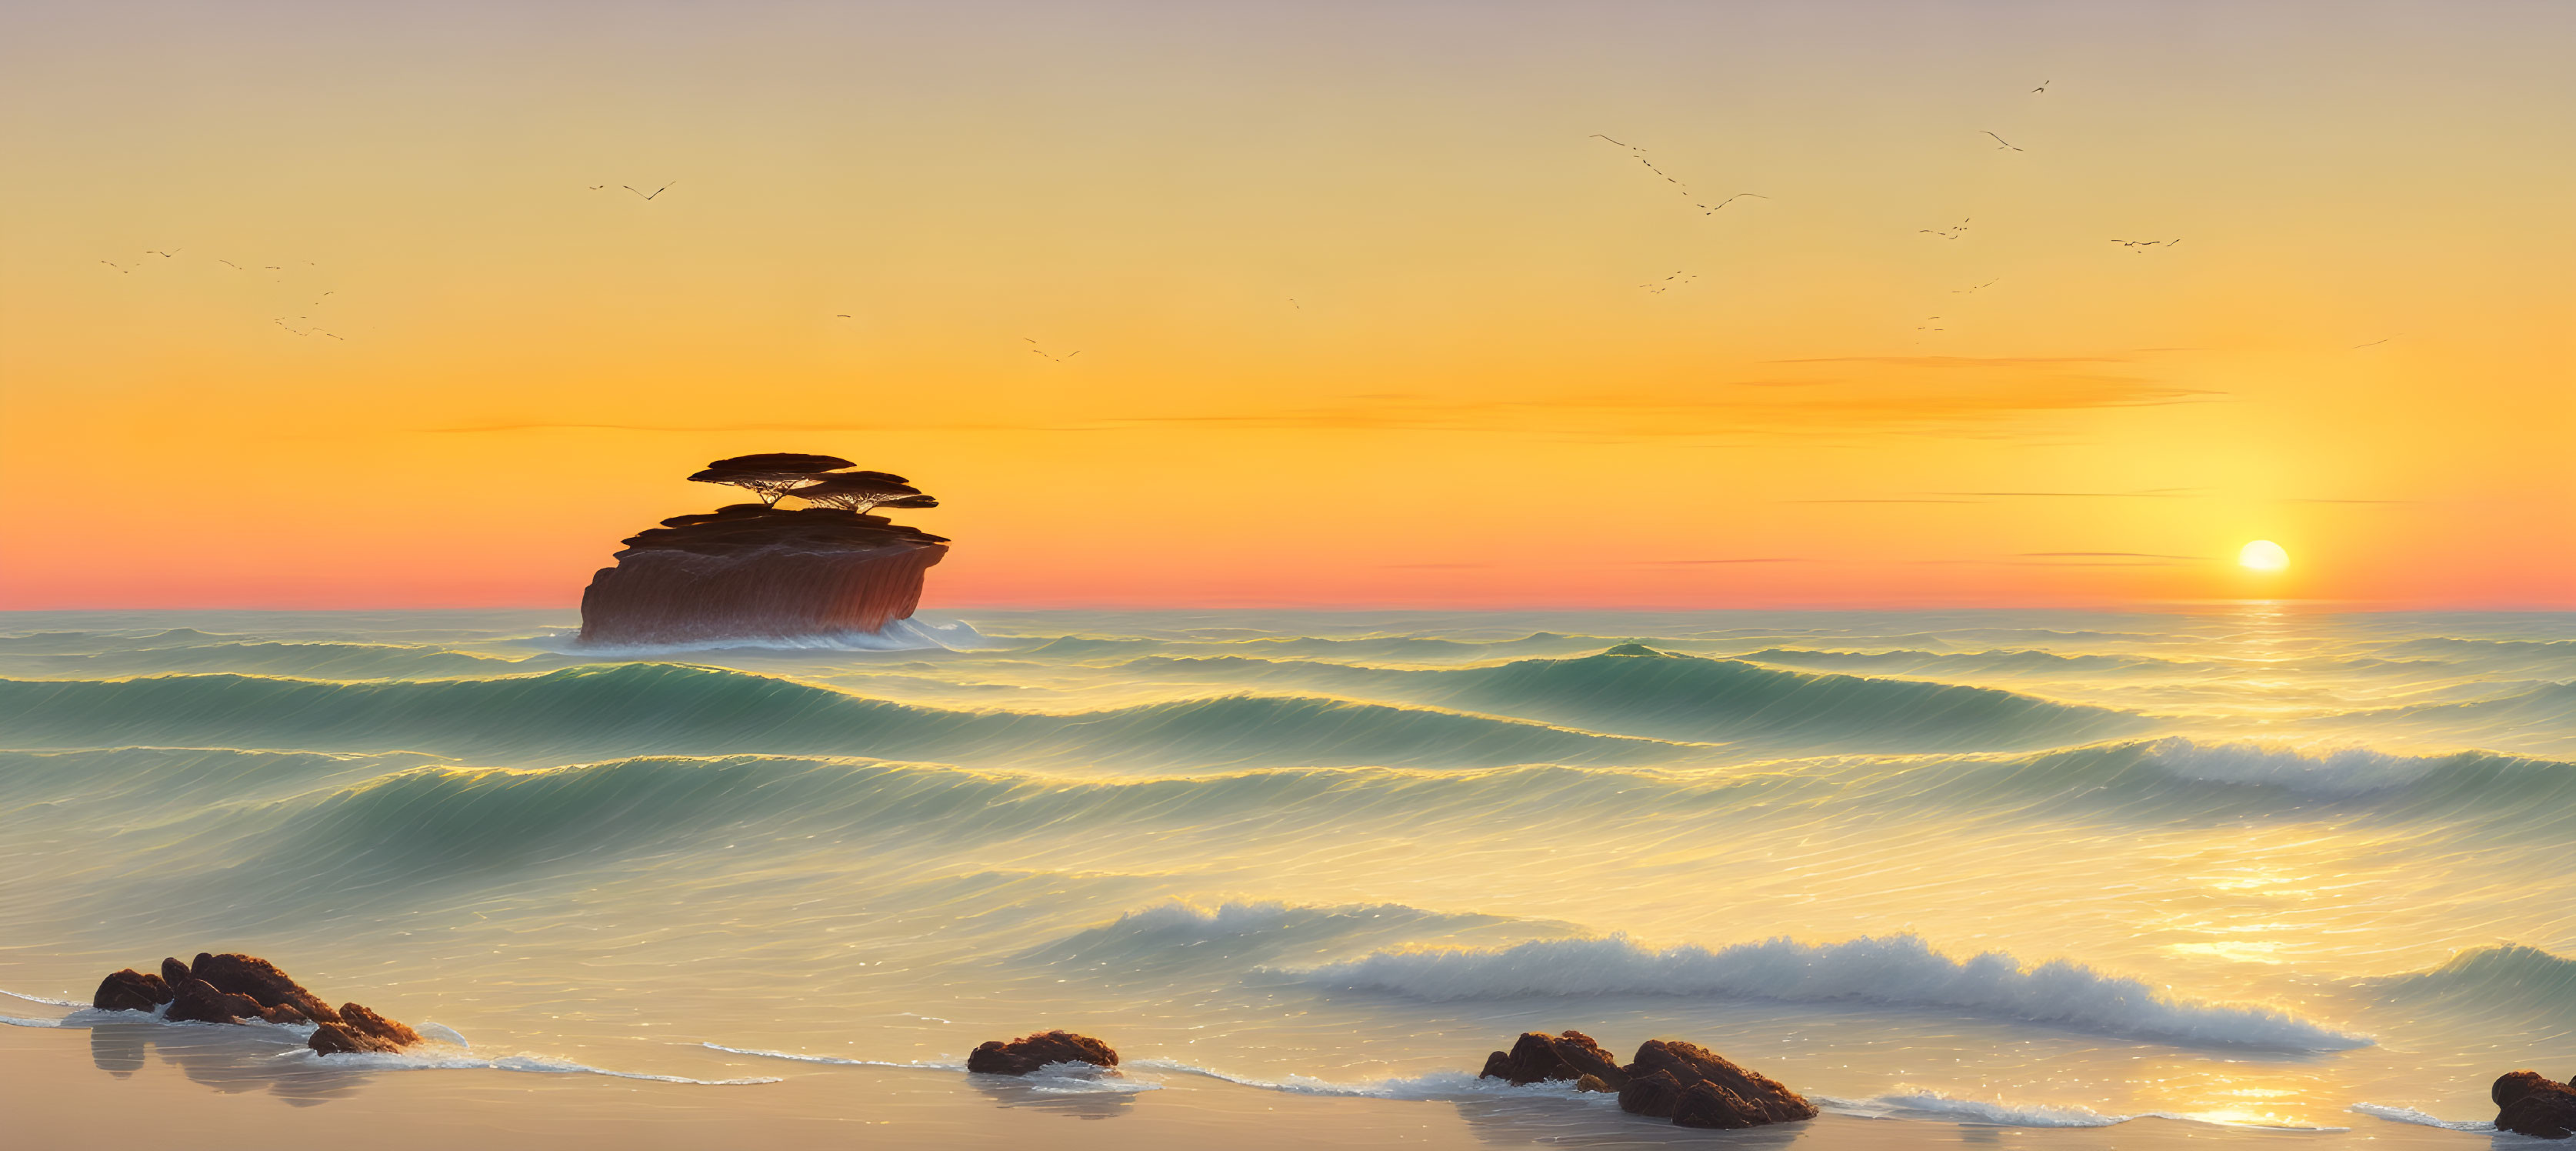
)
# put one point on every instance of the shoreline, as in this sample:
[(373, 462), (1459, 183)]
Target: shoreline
[(797, 1100)]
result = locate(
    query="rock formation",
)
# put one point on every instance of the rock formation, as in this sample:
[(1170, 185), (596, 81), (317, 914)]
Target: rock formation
[(749, 571), (1684, 1082), (1027, 1054), (2529, 1103), (1539, 1057), (233, 988)]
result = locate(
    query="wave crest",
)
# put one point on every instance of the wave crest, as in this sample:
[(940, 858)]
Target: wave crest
[(1897, 971)]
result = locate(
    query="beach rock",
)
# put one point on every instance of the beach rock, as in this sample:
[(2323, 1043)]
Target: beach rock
[(341, 1039), (131, 990), (236, 988), (1027, 1054), (1539, 1057), (198, 1001), (355, 1017), (2529, 1103), (753, 572), (1665, 1078), (1594, 1083), (261, 980), (1711, 1106), (1653, 1094)]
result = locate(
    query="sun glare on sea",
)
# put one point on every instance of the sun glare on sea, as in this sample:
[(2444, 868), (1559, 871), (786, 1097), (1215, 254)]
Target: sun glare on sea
[(2264, 556)]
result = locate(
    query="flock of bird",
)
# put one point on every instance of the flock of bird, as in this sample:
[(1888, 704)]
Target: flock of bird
[(1652, 287), (1677, 279), (310, 330)]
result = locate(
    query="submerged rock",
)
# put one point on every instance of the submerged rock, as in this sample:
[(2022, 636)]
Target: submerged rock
[(1539, 1057), (2529, 1103), (1027, 1054), (131, 990), (236, 988)]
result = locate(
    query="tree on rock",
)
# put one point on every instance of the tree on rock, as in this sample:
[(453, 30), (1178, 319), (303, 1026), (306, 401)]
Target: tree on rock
[(770, 475), (860, 491)]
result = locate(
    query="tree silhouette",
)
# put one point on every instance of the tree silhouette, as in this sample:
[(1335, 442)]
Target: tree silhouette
[(860, 491), (770, 475)]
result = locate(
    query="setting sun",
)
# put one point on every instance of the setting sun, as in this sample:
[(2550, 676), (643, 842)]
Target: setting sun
[(2264, 556)]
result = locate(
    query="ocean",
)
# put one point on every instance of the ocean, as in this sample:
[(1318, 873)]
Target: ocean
[(2228, 872)]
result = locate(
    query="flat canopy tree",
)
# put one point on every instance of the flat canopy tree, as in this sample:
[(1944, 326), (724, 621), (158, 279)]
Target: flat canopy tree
[(770, 475), (859, 491)]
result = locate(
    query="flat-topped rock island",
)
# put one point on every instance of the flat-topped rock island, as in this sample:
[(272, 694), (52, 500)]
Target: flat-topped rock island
[(756, 571)]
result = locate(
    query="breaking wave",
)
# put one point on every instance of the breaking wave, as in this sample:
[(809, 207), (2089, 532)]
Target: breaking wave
[(1895, 971)]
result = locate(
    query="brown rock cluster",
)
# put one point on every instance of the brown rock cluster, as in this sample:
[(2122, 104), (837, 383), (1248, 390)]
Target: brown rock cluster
[(1028, 1053), (2529, 1103), (1684, 1082), (233, 988)]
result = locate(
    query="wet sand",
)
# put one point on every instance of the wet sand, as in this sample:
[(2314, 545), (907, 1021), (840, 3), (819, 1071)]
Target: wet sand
[(145, 1085)]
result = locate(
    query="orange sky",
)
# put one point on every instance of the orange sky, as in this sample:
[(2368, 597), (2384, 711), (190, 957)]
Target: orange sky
[(1366, 314)]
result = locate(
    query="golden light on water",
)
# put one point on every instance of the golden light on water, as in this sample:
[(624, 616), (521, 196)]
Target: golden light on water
[(2264, 555)]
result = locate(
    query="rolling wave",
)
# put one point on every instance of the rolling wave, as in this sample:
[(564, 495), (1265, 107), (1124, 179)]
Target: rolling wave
[(1896, 971), (317, 660), (326, 821), (2510, 978), (1177, 933), (2025, 661), (682, 709), (1638, 690)]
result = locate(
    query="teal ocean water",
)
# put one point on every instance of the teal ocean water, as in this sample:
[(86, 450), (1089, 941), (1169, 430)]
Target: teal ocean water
[(2247, 867)]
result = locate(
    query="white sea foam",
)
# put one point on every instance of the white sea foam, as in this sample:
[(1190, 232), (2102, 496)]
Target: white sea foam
[(801, 1057), (2420, 1119), (1051, 1079), (2325, 772), (1920, 1103), (42, 999), (438, 1057), (1898, 971), (1436, 1086)]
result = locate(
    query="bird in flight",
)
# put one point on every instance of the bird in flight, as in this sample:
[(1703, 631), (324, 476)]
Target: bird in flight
[(2373, 343), (1946, 234), (1971, 288), (1039, 351), (1292, 300), (1669, 178), (656, 191), (2001, 143), (840, 315), (118, 267), (1668, 283), (598, 187), (1926, 325), (163, 255), (232, 265), (2143, 245), (2043, 85)]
